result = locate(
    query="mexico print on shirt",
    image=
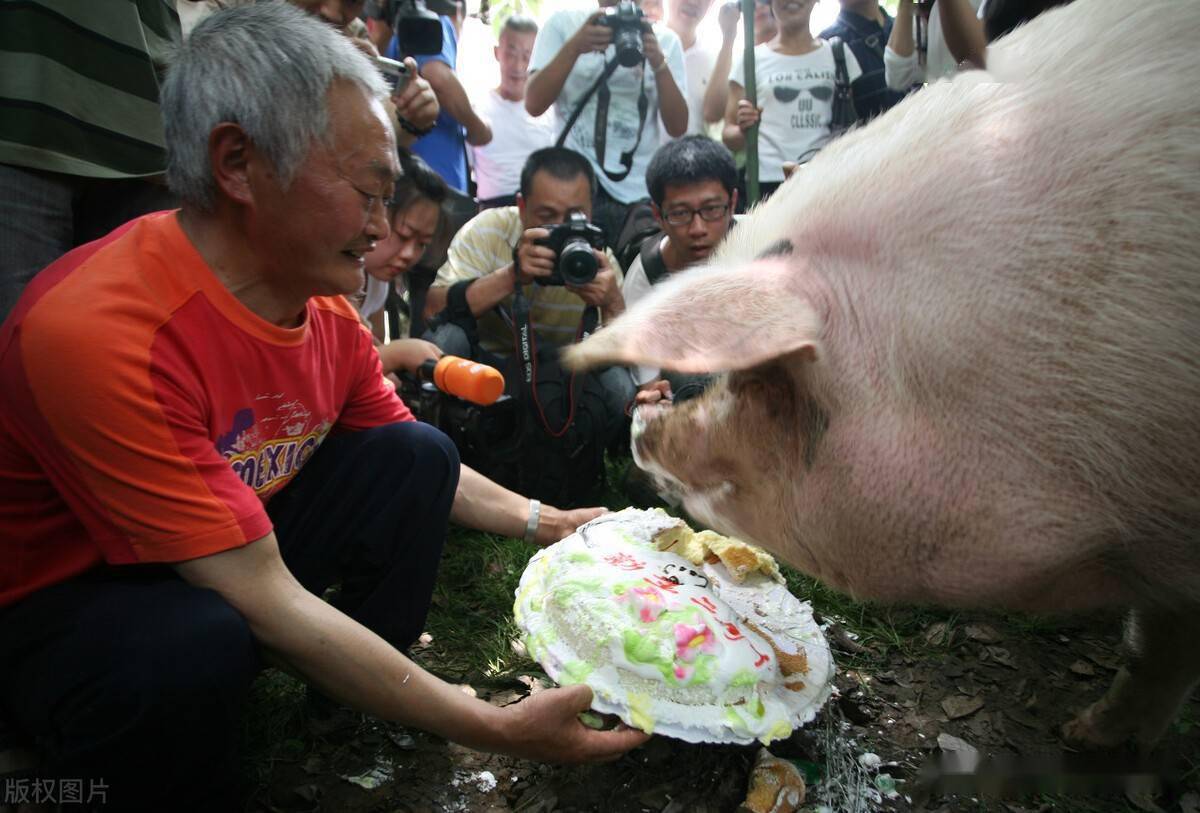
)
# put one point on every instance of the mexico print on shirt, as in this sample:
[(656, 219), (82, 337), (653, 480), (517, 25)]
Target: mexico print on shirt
[(270, 441)]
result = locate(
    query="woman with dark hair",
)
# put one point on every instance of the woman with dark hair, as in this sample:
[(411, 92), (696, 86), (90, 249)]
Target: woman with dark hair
[(417, 217)]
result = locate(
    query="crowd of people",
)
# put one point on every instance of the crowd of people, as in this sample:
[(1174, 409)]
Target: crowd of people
[(206, 215)]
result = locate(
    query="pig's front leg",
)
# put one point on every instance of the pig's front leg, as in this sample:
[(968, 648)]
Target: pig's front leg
[(1163, 669)]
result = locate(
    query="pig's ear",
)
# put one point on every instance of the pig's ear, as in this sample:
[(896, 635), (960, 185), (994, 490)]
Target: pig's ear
[(713, 320)]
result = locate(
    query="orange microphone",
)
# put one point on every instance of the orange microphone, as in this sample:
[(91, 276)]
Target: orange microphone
[(465, 379)]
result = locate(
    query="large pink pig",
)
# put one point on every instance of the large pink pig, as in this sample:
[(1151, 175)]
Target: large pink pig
[(963, 348)]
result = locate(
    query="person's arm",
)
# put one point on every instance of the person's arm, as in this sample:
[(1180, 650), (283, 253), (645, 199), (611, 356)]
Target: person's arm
[(900, 68), (740, 116), (671, 104), (416, 103), (546, 83), (485, 505), (407, 355), (353, 664), (901, 40), (453, 99), (716, 95), (963, 32)]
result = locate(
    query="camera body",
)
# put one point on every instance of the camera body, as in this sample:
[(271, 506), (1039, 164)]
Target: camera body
[(627, 23), (476, 430), (418, 30), (573, 242)]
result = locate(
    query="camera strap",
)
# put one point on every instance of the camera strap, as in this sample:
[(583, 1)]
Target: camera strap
[(600, 136), (526, 347)]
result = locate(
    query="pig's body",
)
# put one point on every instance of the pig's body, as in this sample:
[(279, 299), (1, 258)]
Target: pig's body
[(974, 379)]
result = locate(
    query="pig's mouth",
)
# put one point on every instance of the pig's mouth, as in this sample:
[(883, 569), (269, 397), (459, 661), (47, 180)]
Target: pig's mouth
[(699, 500)]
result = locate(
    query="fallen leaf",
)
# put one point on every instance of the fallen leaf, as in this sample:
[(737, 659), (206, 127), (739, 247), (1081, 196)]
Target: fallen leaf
[(982, 633), (1083, 668), (957, 706), (1189, 803), (938, 634), (949, 742), (1000, 655)]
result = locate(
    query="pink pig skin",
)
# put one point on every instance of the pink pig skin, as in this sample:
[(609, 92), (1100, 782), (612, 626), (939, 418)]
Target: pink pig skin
[(963, 348)]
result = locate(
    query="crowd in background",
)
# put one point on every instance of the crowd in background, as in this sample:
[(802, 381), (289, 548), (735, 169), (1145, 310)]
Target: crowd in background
[(238, 248)]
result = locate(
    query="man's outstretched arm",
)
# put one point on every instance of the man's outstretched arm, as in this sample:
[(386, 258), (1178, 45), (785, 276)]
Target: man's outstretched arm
[(353, 664)]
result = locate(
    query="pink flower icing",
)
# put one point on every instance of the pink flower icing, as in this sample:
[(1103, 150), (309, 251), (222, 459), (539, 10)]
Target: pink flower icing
[(692, 640)]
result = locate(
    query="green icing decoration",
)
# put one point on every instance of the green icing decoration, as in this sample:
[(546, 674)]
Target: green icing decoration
[(780, 731), (743, 677), (564, 593), (580, 557), (574, 672), (704, 666), (639, 712), (640, 649)]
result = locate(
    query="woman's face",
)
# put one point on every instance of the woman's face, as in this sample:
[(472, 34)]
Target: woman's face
[(793, 14), (412, 230)]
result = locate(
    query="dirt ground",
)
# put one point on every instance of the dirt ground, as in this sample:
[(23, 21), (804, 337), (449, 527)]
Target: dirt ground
[(969, 682)]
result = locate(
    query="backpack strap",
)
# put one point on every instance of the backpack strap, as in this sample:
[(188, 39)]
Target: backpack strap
[(652, 260), (844, 114)]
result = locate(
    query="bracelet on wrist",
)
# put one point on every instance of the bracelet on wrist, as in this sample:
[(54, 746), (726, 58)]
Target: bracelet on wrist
[(531, 525), (408, 127)]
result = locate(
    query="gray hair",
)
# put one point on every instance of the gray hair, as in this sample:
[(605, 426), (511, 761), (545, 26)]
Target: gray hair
[(267, 67)]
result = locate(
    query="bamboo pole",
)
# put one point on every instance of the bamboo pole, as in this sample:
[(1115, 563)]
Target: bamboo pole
[(752, 97)]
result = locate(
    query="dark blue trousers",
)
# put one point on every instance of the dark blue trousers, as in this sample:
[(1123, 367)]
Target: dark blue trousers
[(130, 677)]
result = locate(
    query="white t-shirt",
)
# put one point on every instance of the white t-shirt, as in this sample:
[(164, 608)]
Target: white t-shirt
[(634, 287), (515, 134), (622, 114), (698, 62), (902, 72), (796, 95)]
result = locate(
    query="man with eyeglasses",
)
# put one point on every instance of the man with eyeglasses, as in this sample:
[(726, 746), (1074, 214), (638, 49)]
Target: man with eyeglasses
[(693, 189)]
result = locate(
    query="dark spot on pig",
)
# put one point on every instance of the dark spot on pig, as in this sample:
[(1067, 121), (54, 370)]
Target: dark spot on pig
[(817, 424), (780, 248)]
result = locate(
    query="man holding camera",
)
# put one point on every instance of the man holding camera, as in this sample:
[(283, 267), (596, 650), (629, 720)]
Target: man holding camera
[(524, 246), (618, 124)]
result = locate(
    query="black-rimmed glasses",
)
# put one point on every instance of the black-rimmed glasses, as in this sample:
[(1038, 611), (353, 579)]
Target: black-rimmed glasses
[(710, 213)]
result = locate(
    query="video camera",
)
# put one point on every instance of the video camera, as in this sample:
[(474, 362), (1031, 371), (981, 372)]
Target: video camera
[(464, 399), (627, 23), (573, 242)]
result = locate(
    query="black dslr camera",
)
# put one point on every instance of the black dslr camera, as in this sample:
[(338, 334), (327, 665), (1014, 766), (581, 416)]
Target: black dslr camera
[(418, 30), (573, 242), (627, 24)]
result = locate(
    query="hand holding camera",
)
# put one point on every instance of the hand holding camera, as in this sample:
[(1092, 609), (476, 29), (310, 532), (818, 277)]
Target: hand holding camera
[(594, 35)]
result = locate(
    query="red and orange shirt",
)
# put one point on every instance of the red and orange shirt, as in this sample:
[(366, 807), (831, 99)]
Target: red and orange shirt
[(146, 415)]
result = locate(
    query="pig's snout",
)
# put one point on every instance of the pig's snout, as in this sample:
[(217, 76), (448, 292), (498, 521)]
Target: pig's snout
[(645, 443)]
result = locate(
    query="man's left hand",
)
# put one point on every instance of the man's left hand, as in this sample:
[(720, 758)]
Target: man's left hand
[(416, 102), (603, 291), (555, 524), (654, 54)]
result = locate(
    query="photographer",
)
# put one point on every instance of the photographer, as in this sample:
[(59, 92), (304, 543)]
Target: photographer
[(569, 56), (522, 248)]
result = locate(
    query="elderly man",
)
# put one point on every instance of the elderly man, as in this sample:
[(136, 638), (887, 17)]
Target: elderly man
[(196, 441)]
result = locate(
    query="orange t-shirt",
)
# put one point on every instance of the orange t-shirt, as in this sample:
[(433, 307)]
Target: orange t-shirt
[(146, 415)]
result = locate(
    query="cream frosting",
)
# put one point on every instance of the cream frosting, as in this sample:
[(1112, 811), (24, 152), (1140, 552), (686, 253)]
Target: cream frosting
[(659, 644)]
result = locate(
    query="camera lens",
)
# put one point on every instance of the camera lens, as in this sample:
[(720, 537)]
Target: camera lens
[(576, 263), (628, 43)]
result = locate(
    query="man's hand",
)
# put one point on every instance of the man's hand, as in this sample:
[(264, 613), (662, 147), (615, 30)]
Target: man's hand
[(654, 54), (747, 115), (545, 727), (727, 19), (592, 36), (555, 524), (655, 392), (407, 354), (416, 102), (535, 260), (603, 291)]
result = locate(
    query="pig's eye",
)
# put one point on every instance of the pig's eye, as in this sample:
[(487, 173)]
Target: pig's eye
[(785, 94)]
